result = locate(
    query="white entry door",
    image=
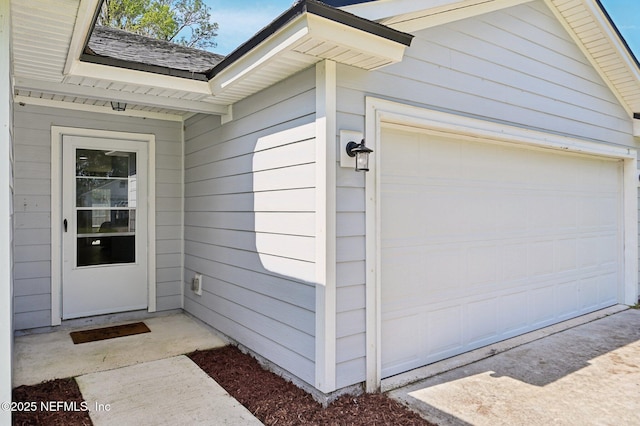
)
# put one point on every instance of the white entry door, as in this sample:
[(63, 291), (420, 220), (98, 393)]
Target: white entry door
[(104, 232)]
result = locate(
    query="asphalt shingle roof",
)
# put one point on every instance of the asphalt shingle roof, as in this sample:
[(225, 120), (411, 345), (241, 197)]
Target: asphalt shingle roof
[(122, 45)]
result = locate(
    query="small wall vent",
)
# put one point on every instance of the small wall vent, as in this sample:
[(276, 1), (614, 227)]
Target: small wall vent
[(196, 284)]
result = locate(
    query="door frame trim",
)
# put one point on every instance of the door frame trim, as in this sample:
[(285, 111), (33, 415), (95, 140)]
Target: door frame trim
[(381, 112), (57, 133)]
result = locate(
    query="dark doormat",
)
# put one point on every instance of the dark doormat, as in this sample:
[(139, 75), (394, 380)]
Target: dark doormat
[(109, 332)]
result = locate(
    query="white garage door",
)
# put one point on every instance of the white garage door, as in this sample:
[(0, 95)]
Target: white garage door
[(481, 242)]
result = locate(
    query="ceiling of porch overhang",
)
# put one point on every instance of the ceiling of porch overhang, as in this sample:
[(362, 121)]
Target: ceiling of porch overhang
[(48, 40)]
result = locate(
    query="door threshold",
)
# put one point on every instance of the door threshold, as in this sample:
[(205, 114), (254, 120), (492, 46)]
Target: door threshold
[(99, 320)]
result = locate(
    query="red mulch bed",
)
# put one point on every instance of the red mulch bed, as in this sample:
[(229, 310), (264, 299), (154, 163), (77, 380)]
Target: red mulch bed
[(275, 401), (272, 399), (50, 393)]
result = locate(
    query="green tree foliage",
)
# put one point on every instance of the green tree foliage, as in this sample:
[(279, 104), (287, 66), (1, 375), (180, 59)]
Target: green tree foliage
[(186, 22)]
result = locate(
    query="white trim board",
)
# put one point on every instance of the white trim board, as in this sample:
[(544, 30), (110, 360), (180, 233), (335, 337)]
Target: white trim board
[(381, 112), (325, 356), (57, 132), (6, 212)]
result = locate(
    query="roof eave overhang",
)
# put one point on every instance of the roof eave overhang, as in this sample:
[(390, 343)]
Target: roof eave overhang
[(305, 40), (307, 33), (604, 47), (137, 66)]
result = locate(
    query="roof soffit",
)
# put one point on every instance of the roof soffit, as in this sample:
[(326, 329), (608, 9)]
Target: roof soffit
[(308, 32), (597, 37), (308, 39)]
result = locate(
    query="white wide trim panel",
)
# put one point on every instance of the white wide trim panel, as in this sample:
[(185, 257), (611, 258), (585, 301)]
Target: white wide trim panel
[(381, 113)]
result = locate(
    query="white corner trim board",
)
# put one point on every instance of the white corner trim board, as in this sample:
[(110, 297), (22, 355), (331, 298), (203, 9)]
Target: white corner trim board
[(6, 213), (386, 114), (325, 356)]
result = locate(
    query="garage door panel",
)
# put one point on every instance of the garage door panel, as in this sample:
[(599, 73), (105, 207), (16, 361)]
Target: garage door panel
[(608, 251), (566, 300), (542, 306), (513, 317), (514, 261), (403, 275), (481, 322), (589, 252), (441, 265), (560, 217), (512, 212), (403, 349), (403, 211), (444, 332), (564, 255), (396, 160), (482, 264), (540, 256), (564, 212), (607, 294), (487, 241), (588, 294), (417, 273)]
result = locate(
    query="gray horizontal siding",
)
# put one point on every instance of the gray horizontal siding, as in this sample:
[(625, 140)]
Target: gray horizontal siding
[(250, 223), (32, 198), (516, 66)]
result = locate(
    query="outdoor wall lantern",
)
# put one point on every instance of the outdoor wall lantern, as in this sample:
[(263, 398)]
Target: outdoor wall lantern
[(118, 106), (361, 153)]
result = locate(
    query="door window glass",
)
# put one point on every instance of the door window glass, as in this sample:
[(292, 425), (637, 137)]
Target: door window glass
[(105, 186)]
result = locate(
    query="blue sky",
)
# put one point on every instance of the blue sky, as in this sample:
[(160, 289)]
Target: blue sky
[(240, 19)]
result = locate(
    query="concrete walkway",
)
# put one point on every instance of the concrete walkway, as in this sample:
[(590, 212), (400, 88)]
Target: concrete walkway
[(143, 379), (585, 374), (589, 374)]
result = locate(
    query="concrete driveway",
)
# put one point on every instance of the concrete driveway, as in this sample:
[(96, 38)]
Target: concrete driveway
[(586, 375)]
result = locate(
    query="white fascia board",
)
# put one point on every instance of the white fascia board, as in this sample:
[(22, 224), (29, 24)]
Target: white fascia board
[(636, 127), (81, 30), (262, 54), (127, 76), (384, 11), (354, 39), (112, 95), (379, 10), (454, 11)]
